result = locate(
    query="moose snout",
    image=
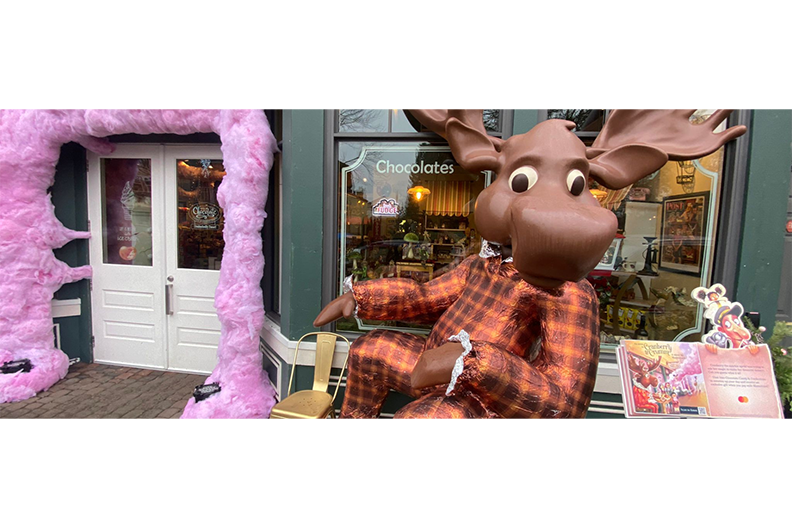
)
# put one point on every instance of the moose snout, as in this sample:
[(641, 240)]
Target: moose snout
[(553, 244)]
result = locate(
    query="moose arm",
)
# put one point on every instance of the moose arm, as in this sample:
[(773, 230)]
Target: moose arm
[(560, 382), (407, 300)]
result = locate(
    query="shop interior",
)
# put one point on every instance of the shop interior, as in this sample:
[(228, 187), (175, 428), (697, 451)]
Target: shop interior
[(662, 252), (433, 232)]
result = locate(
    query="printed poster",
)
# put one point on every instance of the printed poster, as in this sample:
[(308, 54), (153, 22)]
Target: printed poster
[(670, 379)]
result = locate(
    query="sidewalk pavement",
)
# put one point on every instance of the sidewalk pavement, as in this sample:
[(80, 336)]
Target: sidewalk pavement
[(104, 391)]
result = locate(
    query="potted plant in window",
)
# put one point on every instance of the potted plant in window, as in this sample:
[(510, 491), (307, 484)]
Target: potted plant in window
[(358, 272), (410, 238), (782, 361)]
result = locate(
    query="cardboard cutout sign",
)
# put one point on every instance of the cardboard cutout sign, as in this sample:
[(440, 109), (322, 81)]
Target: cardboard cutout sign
[(726, 317)]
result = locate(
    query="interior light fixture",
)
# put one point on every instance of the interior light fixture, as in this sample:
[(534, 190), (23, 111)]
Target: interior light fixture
[(419, 191)]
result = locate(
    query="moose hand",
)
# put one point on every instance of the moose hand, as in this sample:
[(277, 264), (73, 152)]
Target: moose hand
[(434, 366), (341, 307)]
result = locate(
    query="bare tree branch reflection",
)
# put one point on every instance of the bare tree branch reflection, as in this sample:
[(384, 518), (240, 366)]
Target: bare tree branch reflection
[(361, 120)]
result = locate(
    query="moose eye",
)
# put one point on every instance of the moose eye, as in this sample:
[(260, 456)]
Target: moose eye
[(523, 179), (576, 182)]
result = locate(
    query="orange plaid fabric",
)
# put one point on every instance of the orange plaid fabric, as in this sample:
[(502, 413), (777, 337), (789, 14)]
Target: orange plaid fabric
[(506, 319)]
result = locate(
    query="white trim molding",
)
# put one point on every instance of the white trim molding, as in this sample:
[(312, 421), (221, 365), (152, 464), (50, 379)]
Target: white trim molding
[(66, 308), (284, 347), (608, 380)]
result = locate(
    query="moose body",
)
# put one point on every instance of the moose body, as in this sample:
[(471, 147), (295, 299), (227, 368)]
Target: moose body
[(515, 334)]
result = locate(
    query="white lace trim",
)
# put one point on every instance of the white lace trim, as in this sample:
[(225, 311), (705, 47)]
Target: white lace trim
[(489, 251), (459, 364), (347, 289)]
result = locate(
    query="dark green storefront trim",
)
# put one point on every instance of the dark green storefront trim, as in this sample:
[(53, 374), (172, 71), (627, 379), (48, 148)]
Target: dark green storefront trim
[(70, 197), (525, 120), (302, 206), (762, 234)]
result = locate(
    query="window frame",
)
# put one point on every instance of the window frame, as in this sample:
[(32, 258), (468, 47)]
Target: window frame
[(271, 239)]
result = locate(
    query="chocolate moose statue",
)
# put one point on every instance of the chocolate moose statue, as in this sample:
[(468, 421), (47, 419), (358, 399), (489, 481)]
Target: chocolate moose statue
[(516, 328)]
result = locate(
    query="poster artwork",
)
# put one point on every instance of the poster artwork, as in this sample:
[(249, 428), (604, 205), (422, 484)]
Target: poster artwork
[(127, 211), (683, 232), (204, 216)]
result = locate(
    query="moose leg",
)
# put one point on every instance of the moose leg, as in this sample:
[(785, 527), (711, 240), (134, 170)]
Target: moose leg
[(378, 362), (437, 405)]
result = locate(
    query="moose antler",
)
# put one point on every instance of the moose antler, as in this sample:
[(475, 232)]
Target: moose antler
[(633, 364), (464, 130), (635, 143), (654, 364)]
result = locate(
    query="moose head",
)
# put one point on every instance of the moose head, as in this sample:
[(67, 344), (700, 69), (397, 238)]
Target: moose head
[(540, 206)]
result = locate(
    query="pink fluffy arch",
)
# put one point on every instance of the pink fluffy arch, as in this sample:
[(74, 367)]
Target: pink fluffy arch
[(30, 142)]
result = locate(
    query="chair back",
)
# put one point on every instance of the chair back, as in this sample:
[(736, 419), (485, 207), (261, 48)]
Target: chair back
[(323, 363)]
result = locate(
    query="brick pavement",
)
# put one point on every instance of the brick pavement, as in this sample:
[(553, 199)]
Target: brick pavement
[(103, 391)]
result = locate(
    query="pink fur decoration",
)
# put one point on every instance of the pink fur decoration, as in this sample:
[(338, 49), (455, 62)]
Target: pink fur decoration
[(30, 142)]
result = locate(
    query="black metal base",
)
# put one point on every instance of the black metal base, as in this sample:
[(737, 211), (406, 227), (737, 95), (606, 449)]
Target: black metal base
[(202, 392), (10, 367)]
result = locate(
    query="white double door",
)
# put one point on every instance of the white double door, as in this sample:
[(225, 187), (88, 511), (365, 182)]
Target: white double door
[(156, 247)]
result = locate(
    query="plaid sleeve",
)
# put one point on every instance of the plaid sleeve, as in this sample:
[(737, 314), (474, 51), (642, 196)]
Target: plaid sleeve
[(407, 300), (559, 383)]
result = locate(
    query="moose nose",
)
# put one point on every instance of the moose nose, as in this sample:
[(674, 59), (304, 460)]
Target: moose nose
[(553, 244)]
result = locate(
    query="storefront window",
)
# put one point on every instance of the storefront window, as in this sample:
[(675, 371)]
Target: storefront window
[(586, 120), (663, 251), (397, 121), (362, 120), (407, 210)]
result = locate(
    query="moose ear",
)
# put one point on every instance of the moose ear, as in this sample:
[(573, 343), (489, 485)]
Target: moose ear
[(623, 166), (472, 148)]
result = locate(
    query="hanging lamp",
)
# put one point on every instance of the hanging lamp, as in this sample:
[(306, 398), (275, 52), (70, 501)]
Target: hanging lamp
[(419, 191)]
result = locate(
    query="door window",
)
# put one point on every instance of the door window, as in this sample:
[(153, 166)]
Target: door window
[(126, 211), (200, 217)]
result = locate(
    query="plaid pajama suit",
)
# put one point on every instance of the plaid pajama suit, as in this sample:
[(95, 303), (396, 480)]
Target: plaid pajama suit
[(534, 352)]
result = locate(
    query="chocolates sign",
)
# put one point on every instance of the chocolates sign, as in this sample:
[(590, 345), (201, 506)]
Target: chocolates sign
[(204, 215), (385, 207)]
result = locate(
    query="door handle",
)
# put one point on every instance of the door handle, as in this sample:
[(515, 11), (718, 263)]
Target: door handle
[(169, 299)]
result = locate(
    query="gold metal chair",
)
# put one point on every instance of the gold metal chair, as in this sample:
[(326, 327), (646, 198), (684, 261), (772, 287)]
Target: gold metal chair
[(317, 402)]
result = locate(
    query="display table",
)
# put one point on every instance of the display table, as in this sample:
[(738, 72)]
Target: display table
[(414, 270)]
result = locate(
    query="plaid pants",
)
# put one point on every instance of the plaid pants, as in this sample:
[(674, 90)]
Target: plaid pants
[(381, 361)]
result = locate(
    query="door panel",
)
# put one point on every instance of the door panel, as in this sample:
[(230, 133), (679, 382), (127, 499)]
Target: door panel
[(195, 245), (125, 192)]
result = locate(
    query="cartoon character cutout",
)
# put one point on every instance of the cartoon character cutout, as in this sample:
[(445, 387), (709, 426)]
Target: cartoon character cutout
[(726, 317)]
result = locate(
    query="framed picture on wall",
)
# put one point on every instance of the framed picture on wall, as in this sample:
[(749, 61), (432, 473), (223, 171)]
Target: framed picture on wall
[(683, 232), (609, 259)]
